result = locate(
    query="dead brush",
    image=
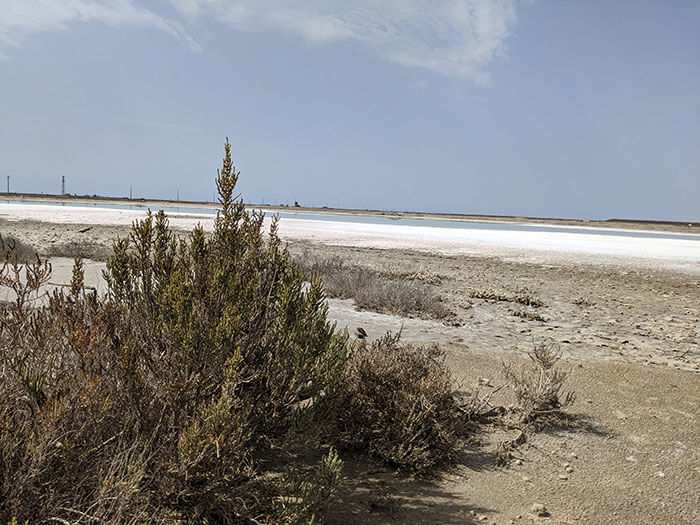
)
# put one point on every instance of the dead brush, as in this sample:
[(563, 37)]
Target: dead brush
[(521, 296), (396, 402), (537, 387), (528, 315), (372, 290)]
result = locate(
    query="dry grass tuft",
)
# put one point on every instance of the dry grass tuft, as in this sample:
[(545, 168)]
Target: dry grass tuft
[(374, 291), (537, 387), (523, 296), (528, 315)]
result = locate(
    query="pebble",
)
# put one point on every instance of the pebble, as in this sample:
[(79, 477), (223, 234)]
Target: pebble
[(563, 477), (569, 469), (619, 414), (525, 478), (660, 474), (518, 462), (483, 517), (538, 509)]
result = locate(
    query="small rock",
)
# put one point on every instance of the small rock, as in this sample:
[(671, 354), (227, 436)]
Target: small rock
[(619, 414), (519, 517), (631, 459), (563, 477), (568, 469), (525, 478), (538, 509), (660, 474), (573, 455), (518, 462), (484, 381), (472, 512), (483, 517)]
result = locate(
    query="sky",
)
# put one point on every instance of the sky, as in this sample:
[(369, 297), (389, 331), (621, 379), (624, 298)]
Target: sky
[(546, 108)]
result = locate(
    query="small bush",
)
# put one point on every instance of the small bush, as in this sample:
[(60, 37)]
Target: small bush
[(372, 291), (396, 402), (538, 387)]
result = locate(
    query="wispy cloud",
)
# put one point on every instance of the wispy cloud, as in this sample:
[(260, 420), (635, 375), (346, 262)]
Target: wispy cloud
[(19, 19), (450, 37)]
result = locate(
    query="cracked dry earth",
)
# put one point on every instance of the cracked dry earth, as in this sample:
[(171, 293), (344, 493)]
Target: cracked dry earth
[(625, 452)]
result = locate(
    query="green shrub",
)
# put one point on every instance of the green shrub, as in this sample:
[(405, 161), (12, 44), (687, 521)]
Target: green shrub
[(173, 398), (396, 402)]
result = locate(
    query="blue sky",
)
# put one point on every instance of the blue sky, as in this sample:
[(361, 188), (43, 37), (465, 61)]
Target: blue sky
[(584, 109)]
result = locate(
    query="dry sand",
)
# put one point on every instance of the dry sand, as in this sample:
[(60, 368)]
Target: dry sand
[(629, 333)]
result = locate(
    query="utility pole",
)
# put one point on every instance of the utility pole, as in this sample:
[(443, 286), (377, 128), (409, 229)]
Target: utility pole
[(63, 184), (131, 192), (8, 184)]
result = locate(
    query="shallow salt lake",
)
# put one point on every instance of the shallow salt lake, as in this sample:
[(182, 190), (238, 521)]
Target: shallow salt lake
[(526, 242)]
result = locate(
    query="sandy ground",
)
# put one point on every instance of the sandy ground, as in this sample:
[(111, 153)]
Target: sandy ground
[(629, 334)]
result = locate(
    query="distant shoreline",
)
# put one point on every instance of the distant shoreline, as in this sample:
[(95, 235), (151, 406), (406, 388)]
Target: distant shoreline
[(622, 224)]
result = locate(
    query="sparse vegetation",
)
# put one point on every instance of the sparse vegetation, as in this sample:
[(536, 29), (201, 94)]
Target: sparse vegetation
[(374, 291), (523, 297), (209, 387)]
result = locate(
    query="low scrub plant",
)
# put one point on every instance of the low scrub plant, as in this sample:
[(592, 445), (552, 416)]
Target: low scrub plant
[(395, 401), (174, 398), (374, 291), (538, 386)]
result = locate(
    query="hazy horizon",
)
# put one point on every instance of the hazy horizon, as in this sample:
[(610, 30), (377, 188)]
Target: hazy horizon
[(515, 108)]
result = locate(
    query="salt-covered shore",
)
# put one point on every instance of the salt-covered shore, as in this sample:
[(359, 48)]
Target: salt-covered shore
[(670, 251)]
